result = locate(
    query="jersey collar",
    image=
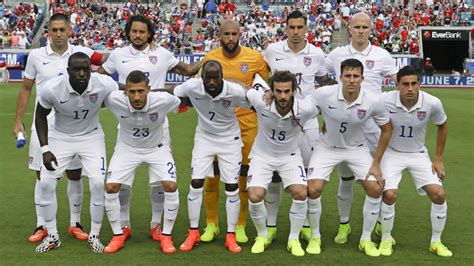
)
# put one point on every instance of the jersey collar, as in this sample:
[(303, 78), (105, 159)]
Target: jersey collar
[(418, 104), (366, 51), (289, 114), (287, 49), (358, 101), (49, 50), (143, 110), (134, 51)]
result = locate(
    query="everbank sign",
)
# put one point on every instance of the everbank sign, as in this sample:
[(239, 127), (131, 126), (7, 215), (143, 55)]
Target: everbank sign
[(445, 35)]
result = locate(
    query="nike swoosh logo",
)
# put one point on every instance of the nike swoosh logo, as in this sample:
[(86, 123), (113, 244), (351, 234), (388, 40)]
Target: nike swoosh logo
[(441, 217), (171, 210), (386, 219), (61, 102), (374, 213), (278, 59), (98, 204), (392, 112), (264, 115), (342, 198), (197, 98), (45, 63), (122, 116), (190, 199), (125, 61), (234, 201), (76, 205), (161, 193), (332, 107)]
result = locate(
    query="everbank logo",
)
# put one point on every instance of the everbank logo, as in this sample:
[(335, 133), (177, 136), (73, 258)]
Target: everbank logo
[(442, 35)]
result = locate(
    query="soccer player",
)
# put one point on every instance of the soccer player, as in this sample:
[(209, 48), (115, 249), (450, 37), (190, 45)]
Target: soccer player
[(377, 64), (276, 150), (141, 115), (238, 63), (155, 61), (44, 64), (77, 97), (217, 135), (345, 108), (410, 111), (306, 61)]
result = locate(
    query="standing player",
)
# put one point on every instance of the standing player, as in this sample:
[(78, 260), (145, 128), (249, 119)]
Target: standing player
[(143, 54), (345, 108), (77, 98), (377, 64), (410, 111), (307, 62), (276, 150), (217, 135), (141, 115), (44, 64), (239, 63)]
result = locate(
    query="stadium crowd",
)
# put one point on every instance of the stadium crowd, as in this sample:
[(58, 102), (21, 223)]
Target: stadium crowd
[(18, 24)]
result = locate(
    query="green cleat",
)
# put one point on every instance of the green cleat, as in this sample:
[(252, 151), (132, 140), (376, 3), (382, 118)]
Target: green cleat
[(306, 234), (441, 250), (294, 247), (314, 246), (240, 235), (343, 233), (369, 248), (210, 233), (378, 233), (261, 243), (386, 248), (272, 234)]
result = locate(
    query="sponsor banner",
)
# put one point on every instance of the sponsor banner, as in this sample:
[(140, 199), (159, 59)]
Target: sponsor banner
[(14, 60), (445, 35), (464, 82)]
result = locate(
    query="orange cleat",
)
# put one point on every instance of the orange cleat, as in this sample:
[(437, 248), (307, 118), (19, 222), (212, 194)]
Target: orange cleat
[(78, 232), (231, 243), (155, 232), (115, 244), (192, 239), (38, 235), (167, 244), (127, 232)]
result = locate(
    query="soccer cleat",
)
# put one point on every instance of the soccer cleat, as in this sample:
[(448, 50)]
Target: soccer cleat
[(155, 232), (314, 246), (306, 233), (127, 232), (272, 234), (439, 249), (95, 244), (369, 248), (231, 243), (294, 247), (240, 235), (210, 233), (115, 244), (38, 235), (386, 248), (167, 244), (49, 243), (192, 239), (343, 233), (378, 232), (261, 243), (78, 232)]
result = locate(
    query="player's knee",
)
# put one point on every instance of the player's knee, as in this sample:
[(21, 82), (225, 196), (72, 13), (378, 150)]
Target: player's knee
[(314, 191), (373, 189), (390, 196), (112, 187), (197, 183), (276, 178), (169, 186), (437, 196), (96, 186), (231, 187), (48, 186), (74, 174), (244, 169), (299, 193), (256, 195)]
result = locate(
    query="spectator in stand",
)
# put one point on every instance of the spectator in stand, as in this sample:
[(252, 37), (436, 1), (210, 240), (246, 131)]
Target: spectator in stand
[(429, 68)]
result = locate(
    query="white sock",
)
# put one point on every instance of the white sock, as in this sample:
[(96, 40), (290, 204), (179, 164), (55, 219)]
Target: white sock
[(298, 211), (371, 213), (125, 195), (39, 219), (112, 208), (314, 216), (49, 204), (96, 187), (387, 213), (258, 213), (157, 197), (171, 211), (194, 206), (344, 200), (272, 203), (439, 212), (74, 193), (232, 208)]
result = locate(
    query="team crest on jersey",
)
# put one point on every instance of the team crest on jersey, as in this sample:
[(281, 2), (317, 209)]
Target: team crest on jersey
[(307, 61), (226, 103), (295, 121), (153, 59), (153, 116), (93, 97), (421, 115), (30, 160), (369, 64), (361, 113), (244, 68)]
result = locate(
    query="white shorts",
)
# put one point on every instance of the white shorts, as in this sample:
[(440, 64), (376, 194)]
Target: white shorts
[(126, 159), (90, 150), (229, 157), (290, 169), (307, 144), (325, 158), (418, 165), (35, 156), (372, 141)]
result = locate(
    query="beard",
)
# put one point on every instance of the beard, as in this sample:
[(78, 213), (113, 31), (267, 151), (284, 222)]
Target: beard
[(230, 50)]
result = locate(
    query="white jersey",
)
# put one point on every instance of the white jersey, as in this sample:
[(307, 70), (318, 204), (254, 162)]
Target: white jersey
[(409, 126), (76, 115), (344, 121), (154, 63), (377, 64), (216, 116), (278, 136), (142, 128)]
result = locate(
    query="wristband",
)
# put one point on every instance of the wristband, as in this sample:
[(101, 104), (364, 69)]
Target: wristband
[(45, 149)]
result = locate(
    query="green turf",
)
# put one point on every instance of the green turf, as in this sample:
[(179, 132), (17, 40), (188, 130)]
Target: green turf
[(412, 227)]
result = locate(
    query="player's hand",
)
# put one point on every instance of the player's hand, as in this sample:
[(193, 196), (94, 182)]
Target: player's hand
[(375, 171), (49, 161), (17, 128), (268, 97), (438, 168)]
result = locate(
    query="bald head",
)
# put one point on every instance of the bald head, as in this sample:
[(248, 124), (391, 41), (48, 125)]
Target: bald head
[(360, 30), (229, 38), (361, 16), (229, 23)]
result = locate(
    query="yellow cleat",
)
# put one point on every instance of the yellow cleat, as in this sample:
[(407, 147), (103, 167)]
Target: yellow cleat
[(441, 250), (314, 246), (294, 247), (240, 234), (306, 234), (261, 243), (210, 233), (272, 234), (343, 233), (386, 248), (369, 248)]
